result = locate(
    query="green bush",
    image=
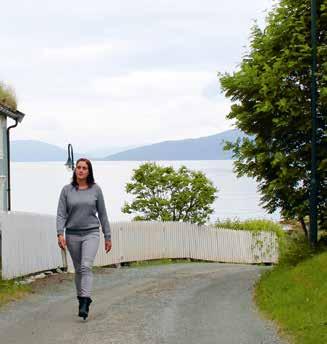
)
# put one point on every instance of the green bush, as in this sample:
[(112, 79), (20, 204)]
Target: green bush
[(296, 249), (255, 225)]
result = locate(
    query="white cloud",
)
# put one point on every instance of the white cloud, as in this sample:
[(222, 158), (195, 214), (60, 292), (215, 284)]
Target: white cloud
[(84, 51), (137, 108), (122, 73), (87, 51), (151, 85)]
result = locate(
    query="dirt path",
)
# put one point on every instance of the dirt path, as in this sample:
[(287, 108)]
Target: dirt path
[(205, 303)]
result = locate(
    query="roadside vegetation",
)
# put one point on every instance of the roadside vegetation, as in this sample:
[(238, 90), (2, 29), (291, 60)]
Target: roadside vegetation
[(293, 294), (253, 225), (271, 95), (11, 291)]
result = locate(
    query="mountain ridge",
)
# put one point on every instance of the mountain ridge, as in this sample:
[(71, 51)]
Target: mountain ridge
[(202, 148)]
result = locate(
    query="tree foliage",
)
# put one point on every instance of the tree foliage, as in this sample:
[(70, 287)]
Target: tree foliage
[(164, 194), (271, 93)]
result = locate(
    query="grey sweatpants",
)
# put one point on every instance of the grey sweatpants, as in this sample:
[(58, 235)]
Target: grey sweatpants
[(83, 249)]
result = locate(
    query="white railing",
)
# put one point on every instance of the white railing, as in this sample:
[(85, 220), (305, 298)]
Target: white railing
[(29, 244)]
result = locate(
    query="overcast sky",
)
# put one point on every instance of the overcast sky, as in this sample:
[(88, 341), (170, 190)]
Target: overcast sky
[(118, 73)]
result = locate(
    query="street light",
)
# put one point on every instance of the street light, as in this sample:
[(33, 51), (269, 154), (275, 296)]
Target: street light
[(313, 183), (70, 161)]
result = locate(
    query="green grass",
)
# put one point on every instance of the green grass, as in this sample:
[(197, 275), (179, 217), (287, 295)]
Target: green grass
[(294, 293), (10, 291), (163, 261)]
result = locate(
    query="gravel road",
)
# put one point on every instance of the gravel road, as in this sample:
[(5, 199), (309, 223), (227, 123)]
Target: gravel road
[(193, 303)]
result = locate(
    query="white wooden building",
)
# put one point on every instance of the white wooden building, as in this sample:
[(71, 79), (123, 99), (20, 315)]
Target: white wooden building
[(17, 116)]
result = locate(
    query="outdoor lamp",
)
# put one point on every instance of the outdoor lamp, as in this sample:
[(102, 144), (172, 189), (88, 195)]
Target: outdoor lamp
[(70, 161)]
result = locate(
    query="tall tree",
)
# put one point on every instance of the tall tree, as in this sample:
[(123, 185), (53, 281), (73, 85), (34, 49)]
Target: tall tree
[(271, 95), (164, 194)]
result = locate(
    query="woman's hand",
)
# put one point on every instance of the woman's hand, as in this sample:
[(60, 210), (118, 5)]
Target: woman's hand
[(61, 241), (107, 245)]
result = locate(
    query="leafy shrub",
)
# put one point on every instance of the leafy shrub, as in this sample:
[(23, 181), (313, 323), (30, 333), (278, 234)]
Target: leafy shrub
[(255, 225)]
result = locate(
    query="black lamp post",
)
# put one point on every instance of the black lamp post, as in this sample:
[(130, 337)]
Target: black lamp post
[(70, 161), (313, 183)]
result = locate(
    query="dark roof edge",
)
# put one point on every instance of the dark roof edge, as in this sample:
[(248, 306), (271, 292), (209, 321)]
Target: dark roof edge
[(14, 114)]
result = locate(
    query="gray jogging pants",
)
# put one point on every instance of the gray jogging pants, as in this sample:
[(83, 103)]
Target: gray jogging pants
[(83, 249)]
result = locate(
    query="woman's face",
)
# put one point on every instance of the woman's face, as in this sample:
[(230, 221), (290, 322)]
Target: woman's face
[(82, 170)]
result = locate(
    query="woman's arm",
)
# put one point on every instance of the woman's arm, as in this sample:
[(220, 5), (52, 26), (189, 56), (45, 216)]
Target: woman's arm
[(61, 213), (101, 208)]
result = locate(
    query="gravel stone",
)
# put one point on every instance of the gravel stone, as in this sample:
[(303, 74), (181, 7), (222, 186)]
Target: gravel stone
[(185, 303)]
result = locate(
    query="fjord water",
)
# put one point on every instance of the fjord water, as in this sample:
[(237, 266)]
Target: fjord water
[(36, 187)]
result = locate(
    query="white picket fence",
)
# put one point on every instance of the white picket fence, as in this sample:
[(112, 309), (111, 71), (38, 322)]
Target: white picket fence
[(29, 244)]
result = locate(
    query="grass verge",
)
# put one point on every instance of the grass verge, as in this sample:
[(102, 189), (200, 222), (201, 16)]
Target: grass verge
[(293, 294), (10, 291)]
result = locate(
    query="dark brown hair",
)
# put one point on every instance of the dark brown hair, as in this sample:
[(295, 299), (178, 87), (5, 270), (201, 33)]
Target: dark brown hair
[(90, 178)]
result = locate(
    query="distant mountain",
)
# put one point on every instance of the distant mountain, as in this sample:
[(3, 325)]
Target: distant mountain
[(99, 153), (32, 150), (203, 148)]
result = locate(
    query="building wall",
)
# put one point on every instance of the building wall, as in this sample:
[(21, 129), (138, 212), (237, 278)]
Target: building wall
[(3, 163)]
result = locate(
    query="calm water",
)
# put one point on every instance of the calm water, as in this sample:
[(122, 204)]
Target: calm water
[(36, 187)]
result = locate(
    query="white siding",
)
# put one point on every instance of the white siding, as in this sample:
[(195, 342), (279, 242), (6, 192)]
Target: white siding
[(3, 126)]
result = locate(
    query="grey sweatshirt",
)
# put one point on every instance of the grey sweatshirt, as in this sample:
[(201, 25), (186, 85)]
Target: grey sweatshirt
[(77, 211)]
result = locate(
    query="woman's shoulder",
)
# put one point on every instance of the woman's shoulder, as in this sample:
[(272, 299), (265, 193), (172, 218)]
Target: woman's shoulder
[(67, 187), (96, 187)]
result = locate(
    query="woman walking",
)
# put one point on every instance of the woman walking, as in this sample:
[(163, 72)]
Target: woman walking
[(79, 204)]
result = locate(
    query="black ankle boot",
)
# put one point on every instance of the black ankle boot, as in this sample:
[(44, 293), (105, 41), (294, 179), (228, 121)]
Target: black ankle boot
[(88, 302), (83, 308), (79, 303)]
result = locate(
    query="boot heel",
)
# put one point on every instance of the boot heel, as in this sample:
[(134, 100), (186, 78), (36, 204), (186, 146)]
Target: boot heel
[(79, 303)]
